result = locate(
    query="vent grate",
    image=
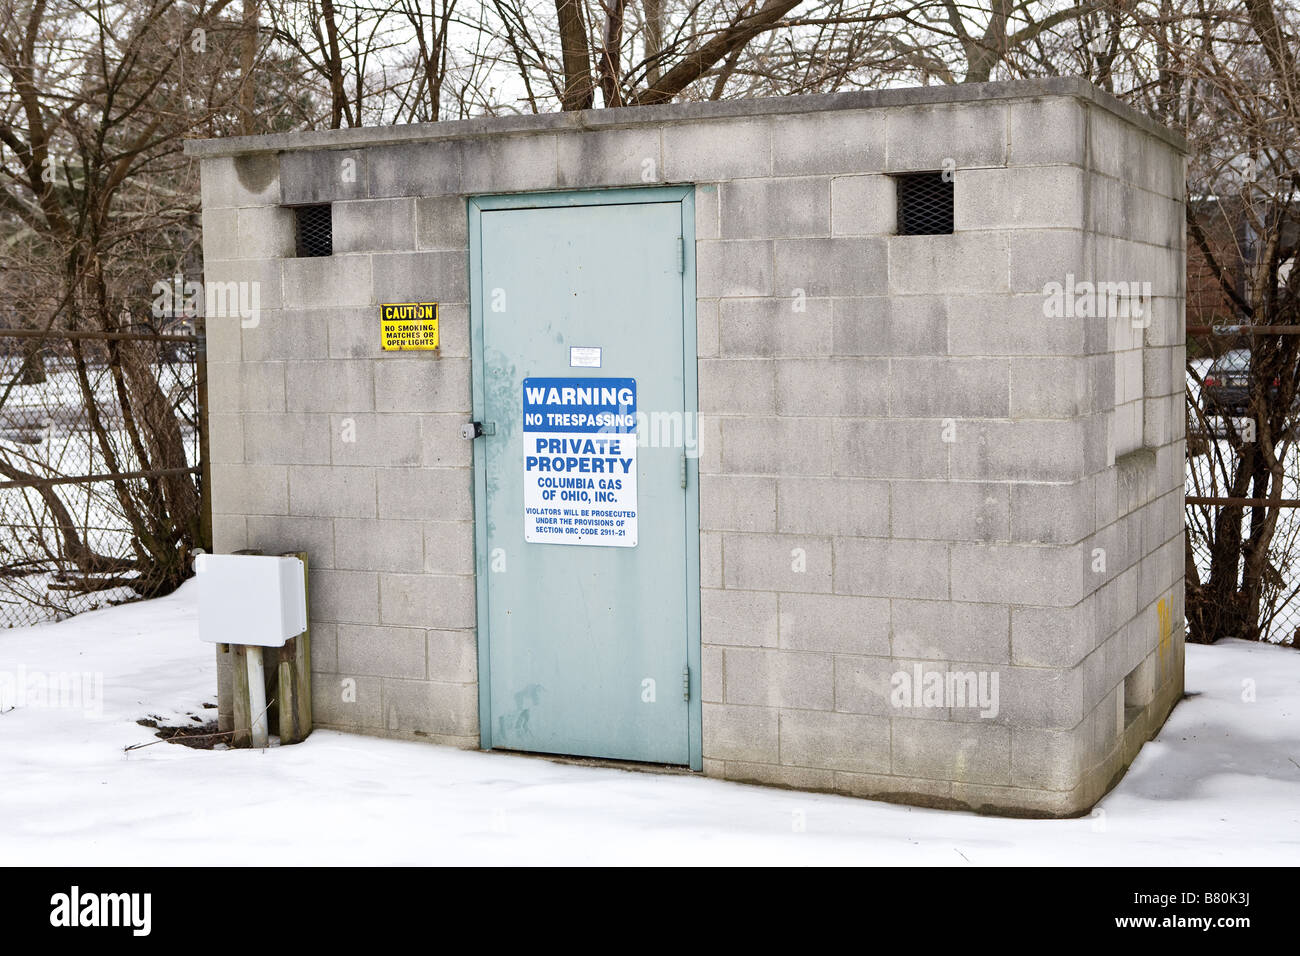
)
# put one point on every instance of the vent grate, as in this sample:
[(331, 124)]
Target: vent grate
[(315, 231), (924, 204)]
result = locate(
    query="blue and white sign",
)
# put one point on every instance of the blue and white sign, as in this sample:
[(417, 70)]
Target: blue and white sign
[(580, 461)]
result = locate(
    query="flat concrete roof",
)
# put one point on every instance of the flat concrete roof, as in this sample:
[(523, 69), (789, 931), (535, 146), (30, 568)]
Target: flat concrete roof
[(632, 116)]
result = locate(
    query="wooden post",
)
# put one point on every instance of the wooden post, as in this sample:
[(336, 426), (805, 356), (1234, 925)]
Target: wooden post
[(294, 699), (288, 685)]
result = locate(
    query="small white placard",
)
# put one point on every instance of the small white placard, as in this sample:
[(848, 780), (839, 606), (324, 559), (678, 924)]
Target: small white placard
[(581, 356)]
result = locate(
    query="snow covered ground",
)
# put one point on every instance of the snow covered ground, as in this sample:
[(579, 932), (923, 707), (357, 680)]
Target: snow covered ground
[(1221, 784)]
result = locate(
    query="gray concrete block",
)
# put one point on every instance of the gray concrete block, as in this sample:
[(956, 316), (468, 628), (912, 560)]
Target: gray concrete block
[(737, 386), (329, 282), (775, 562), (884, 448), (882, 325), (1046, 130), (1022, 197), (525, 162), (240, 181), (950, 631), (717, 151), (833, 506), (835, 624), (1017, 574), (424, 385), (1048, 759), (324, 650), (452, 656), (258, 282), (873, 567), (774, 446), (1047, 698), (737, 268), (331, 492), (250, 489), (1023, 451), (944, 750), (1011, 325), (949, 510), (857, 387), (871, 685), (248, 387), (1053, 513), (421, 277), (284, 334), (957, 264), (708, 212), (771, 208), (1053, 636), (774, 327), (429, 708), (425, 494), (812, 143), (381, 651), (440, 441), (253, 232), (415, 169), (369, 544), (737, 503), (321, 176), (839, 266), (610, 157), (427, 600), (441, 222), (343, 597), (1050, 387), (740, 733), (229, 534), (740, 618), (857, 743), (350, 703), (331, 385), (864, 205), (449, 547), (1040, 256), (281, 534), (945, 137), (774, 678), (388, 440), (949, 387), (373, 225), (225, 439)]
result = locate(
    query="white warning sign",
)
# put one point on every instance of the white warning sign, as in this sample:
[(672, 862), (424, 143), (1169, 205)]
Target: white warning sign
[(580, 461)]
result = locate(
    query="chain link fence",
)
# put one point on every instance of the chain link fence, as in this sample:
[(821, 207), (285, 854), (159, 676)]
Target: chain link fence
[(1221, 424), (96, 431)]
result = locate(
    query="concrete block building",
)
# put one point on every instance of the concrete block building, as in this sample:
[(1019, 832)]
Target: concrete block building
[(828, 442)]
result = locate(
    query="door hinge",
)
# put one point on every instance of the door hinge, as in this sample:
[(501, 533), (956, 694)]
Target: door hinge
[(683, 468), (681, 255), (686, 682)]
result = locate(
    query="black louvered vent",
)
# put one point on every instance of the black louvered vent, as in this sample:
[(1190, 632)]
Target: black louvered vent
[(315, 230), (924, 204)]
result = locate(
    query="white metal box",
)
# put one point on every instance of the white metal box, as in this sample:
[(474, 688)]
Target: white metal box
[(252, 599)]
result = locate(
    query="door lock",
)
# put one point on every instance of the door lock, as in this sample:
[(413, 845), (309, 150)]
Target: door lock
[(472, 430)]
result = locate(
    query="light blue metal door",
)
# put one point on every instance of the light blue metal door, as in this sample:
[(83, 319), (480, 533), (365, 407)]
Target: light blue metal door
[(585, 492)]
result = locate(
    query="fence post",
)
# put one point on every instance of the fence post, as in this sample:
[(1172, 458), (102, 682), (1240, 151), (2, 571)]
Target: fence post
[(294, 697)]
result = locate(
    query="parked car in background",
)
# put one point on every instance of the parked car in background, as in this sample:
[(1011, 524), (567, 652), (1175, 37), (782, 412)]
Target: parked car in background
[(1227, 384)]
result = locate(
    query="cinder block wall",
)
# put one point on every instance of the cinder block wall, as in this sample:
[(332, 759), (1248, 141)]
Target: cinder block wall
[(904, 461)]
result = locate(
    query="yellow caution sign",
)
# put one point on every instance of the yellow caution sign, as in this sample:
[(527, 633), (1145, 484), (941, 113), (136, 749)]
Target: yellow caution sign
[(408, 325)]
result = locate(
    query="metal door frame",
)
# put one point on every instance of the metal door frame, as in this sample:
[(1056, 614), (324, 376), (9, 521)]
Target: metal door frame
[(477, 205)]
